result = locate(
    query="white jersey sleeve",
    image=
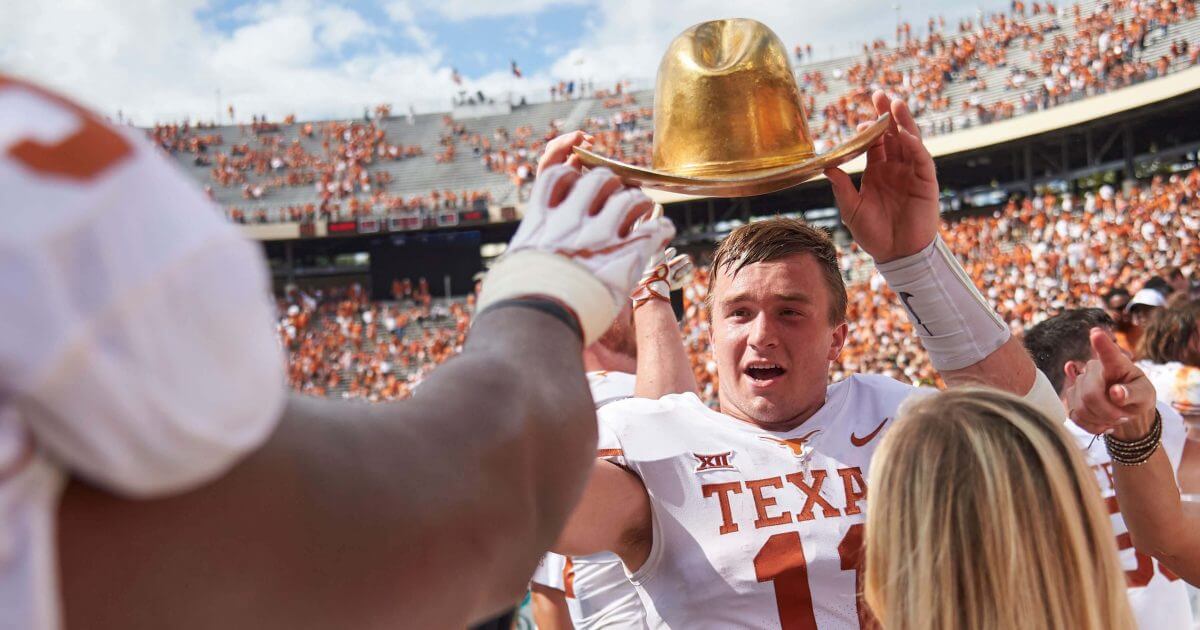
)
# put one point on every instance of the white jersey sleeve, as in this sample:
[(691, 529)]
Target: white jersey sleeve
[(609, 387), (138, 346), (549, 572), (1178, 385)]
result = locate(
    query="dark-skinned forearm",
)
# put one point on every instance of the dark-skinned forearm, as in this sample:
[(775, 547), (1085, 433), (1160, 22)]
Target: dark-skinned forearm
[(535, 462), (418, 513)]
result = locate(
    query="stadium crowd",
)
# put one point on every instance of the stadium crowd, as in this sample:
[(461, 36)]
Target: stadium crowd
[(341, 173), (341, 343), (513, 153), (1064, 54), (1103, 53), (1034, 257)]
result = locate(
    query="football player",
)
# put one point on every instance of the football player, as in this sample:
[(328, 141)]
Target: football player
[(753, 517)]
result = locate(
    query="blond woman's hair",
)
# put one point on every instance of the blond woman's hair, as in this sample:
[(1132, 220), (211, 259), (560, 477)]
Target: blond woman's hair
[(984, 516)]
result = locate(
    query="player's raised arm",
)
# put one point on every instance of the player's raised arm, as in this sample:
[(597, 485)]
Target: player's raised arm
[(366, 515), (1114, 395), (662, 362), (894, 217), (612, 515)]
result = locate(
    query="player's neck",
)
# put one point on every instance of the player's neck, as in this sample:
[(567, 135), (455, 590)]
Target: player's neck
[(597, 358), (779, 426)]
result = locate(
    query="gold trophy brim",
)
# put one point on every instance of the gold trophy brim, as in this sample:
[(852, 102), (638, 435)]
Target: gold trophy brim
[(746, 184)]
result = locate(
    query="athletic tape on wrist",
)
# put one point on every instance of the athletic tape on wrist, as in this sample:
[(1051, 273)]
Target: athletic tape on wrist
[(532, 273), (654, 290), (956, 325), (550, 307), (1043, 398)]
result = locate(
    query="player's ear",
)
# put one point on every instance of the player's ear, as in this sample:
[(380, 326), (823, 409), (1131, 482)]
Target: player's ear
[(1071, 370), (839, 340)]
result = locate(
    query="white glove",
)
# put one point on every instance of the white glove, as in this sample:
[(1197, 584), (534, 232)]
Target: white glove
[(665, 273), (585, 253)]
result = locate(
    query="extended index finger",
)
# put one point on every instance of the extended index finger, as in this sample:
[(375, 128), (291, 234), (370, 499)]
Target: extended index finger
[(1117, 365)]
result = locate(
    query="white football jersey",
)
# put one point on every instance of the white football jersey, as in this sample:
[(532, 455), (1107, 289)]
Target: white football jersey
[(609, 387), (599, 593), (138, 349), (1178, 385), (753, 528), (1158, 597)]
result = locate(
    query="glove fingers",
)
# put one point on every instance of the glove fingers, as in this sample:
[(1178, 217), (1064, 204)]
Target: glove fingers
[(549, 187), (681, 270), (593, 190), (655, 262), (605, 227)]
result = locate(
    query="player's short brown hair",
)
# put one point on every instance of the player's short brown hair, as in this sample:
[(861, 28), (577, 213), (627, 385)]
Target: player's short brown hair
[(779, 237)]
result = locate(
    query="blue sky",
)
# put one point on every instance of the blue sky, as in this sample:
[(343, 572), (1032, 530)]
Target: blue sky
[(169, 59), (474, 45)]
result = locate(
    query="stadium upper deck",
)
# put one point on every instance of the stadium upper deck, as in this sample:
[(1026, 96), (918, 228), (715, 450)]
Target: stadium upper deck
[(1034, 57)]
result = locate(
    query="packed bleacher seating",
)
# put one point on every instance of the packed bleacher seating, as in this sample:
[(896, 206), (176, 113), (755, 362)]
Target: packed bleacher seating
[(1034, 257), (340, 343), (1034, 56), (1031, 58)]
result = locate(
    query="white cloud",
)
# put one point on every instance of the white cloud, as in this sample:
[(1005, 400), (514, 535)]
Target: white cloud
[(284, 40), (401, 12), (626, 38), (155, 60), (457, 10), (340, 25)]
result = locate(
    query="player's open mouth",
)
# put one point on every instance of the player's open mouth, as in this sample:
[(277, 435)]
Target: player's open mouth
[(764, 372)]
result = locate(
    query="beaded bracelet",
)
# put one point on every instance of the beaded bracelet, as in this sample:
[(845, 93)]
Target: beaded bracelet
[(1135, 452)]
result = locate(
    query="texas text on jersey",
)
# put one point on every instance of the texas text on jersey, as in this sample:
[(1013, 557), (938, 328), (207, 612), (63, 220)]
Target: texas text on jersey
[(753, 528)]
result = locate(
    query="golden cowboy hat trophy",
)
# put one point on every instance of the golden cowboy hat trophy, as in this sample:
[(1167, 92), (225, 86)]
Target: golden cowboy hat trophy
[(728, 120)]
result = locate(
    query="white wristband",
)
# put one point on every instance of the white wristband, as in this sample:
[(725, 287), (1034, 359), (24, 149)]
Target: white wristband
[(533, 273), (1043, 398), (956, 326)]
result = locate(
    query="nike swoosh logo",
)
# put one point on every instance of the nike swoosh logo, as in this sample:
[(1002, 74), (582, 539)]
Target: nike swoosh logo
[(905, 297), (861, 441)]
